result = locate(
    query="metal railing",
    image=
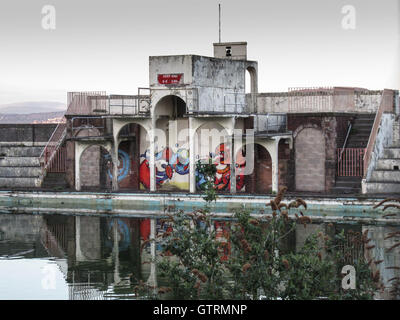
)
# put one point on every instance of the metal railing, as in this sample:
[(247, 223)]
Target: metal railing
[(234, 102), (321, 99), (50, 152), (99, 103), (387, 105), (350, 162), (270, 123), (345, 140)]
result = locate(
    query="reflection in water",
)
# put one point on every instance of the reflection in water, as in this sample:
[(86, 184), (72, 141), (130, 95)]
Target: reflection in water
[(106, 258)]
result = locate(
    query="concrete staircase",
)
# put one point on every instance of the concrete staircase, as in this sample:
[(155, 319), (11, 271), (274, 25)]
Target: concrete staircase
[(358, 138), (386, 177), (19, 165), (55, 181), (360, 131)]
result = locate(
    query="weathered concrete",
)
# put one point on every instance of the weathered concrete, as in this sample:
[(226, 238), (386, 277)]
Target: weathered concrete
[(383, 173), (340, 210)]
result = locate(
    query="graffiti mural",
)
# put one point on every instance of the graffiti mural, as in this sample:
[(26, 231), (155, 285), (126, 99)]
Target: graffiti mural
[(222, 161), (123, 165), (168, 163)]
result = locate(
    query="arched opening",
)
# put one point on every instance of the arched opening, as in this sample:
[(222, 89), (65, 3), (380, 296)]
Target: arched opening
[(211, 143), (310, 160), (133, 158), (251, 80), (170, 106), (95, 165), (260, 179), (171, 144)]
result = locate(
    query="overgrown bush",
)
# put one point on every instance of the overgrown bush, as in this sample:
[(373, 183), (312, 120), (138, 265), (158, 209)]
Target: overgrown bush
[(251, 260)]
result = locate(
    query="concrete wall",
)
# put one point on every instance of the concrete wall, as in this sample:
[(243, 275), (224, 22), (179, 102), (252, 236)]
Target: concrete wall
[(27, 133), (220, 83), (285, 102), (383, 140)]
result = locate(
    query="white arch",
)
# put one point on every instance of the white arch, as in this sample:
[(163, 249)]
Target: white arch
[(80, 148)]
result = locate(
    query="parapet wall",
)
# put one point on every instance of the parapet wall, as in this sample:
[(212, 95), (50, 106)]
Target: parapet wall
[(350, 101), (26, 133)]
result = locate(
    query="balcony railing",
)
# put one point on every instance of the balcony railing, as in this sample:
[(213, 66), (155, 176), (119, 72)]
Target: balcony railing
[(270, 123), (100, 104)]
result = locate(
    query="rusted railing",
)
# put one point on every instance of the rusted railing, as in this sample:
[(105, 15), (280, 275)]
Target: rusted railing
[(350, 162), (50, 151), (311, 99), (387, 104), (59, 161), (270, 123), (321, 99), (99, 103)]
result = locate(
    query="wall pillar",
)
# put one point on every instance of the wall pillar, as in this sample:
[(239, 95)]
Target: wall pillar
[(114, 158), (275, 165), (192, 164), (78, 153), (152, 160)]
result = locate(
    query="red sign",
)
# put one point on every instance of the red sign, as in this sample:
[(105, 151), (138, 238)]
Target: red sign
[(170, 78)]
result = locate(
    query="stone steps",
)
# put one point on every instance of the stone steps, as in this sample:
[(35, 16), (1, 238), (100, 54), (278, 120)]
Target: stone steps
[(20, 171), (385, 175), (20, 166), (19, 162), (20, 151), (19, 182), (391, 153), (55, 181), (388, 164), (382, 187)]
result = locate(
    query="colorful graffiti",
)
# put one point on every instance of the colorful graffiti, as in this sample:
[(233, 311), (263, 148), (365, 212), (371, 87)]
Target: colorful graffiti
[(222, 161), (169, 163), (123, 165)]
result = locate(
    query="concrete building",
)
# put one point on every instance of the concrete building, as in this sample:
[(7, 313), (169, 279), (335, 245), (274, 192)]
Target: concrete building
[(196, 108)]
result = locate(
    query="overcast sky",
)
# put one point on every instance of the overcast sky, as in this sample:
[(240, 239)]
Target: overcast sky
[(104, 45)]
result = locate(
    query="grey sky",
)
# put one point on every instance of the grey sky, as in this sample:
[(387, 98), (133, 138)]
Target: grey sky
[(104, 45)]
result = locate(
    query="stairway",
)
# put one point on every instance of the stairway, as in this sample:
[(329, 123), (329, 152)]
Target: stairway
[(358, 138), (386, 177), (19, 165), (55, 181), (360, 131)]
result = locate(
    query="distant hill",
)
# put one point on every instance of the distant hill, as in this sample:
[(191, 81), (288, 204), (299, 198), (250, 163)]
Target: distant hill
[(42, 117), (31, 107), (32, 112)]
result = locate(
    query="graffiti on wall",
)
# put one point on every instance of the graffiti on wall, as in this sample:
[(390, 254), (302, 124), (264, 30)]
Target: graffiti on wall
[(123, 165), (168, 163), (222, 161)]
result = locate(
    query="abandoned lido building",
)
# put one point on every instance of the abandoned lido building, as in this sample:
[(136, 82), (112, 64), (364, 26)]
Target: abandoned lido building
[(196, 108)]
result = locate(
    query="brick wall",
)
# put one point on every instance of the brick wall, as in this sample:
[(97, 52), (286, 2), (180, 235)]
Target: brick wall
[(310, 160), (90, 167)]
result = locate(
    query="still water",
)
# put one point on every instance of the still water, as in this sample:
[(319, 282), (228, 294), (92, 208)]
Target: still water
[(85, 258)]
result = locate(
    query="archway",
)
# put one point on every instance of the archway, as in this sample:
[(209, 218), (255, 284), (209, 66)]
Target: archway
[(310, 160), (133, 157), (260, 179), (171, 144), (210, 143), (95, 163)]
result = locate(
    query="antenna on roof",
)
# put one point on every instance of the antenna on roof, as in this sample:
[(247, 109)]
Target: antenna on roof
[(219, 11)]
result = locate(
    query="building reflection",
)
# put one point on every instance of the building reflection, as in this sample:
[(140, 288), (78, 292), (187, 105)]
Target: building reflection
[(106, 258), (103, 254)]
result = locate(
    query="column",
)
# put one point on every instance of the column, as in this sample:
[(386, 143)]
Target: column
[(275, 165), (192, 161), (78, 154), (152, 162), (114, 158)]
